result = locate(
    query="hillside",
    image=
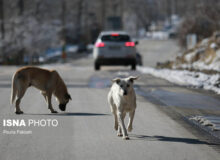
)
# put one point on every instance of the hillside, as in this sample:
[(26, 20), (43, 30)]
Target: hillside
[(205, 56)]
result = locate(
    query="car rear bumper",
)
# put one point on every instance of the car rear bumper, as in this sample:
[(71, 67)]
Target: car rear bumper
[(115, 61)]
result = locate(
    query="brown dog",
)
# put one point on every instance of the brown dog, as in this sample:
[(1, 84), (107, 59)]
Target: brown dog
[(49, 82)]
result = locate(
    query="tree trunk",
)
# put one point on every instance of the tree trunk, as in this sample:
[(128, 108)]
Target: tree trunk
[(79, 19), (103, 5), (2, 19), (63, 19), (21, 7)]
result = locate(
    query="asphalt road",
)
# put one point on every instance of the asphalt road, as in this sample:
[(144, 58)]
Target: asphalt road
[(85, 130), (155, 51)]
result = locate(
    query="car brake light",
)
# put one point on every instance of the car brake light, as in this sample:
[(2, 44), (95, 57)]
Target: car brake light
[(114, 34), (129, 44), (100, 44)]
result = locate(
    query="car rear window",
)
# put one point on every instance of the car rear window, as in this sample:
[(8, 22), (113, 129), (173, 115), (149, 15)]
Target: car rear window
[(113, 38)]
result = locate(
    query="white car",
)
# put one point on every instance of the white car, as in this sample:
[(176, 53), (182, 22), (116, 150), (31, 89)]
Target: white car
[(114, 48)]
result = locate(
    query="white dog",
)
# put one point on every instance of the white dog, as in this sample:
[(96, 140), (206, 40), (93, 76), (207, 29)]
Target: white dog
[(122, 99)]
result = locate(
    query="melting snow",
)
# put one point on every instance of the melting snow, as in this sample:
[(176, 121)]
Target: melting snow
[(213, 45), (190, 56), (212, 121), (186, 78)]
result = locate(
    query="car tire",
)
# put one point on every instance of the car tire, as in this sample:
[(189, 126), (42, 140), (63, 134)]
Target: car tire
[(97, 67), (133, 67)]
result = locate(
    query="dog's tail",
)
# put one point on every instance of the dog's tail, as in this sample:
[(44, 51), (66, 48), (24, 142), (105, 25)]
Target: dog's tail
[(13, 89)]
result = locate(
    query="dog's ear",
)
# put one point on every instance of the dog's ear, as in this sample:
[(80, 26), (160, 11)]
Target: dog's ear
[(131, 78), (117, 80), (67, 96)]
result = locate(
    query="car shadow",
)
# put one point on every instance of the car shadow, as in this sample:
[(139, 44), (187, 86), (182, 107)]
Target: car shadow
[(69, 114), (170, 139)]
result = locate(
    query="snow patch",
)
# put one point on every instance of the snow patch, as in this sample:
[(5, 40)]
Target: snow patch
[(211, 121), (213, 45), (190, 56), (204, 42), (186, 78)]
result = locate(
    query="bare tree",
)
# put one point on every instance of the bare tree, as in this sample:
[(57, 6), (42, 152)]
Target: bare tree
[(103, 9), (63, 19), (21, 7), (79, 19), (2, 19)]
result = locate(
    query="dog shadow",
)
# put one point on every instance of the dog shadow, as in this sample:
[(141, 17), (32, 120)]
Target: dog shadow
[(170, 139), (69, 114)]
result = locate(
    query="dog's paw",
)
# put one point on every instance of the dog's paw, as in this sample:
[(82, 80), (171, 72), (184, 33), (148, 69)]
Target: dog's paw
[(19, 112), (126, 138), (130, 129), (119, 134), (54, 112)]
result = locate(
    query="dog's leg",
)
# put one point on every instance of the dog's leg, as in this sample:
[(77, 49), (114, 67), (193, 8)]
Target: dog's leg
[(20, 94), (131, 118), (113, 110), (119, 133), (115, 116), (45, 95), (48, 96), (116, 121), (122, 125), (119, 127), (17, 106)]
